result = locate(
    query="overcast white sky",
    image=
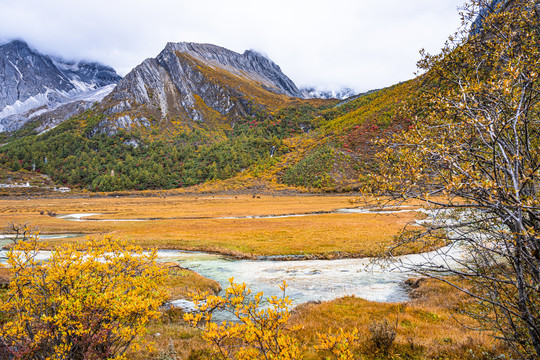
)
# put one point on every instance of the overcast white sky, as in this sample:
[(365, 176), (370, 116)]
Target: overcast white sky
[(363, 44)]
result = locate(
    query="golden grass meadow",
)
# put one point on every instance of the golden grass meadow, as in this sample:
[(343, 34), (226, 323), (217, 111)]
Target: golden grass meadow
[(208, 223)]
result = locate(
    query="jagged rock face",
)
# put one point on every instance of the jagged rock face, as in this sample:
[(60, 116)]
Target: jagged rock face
[(32, 84), (197, 81), (24, 73), (91, 73), (250, 64)]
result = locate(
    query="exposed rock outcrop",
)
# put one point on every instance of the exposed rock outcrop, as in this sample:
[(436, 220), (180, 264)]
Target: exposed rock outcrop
[(198, 82)]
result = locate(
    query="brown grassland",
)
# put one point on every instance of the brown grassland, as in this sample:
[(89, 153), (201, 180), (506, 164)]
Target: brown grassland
[(429, 326), (201, 223)]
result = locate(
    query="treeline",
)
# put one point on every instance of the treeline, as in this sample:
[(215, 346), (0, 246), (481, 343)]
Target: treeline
[(71, 154)]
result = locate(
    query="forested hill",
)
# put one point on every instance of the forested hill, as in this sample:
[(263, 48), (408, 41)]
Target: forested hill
[(310, 145)]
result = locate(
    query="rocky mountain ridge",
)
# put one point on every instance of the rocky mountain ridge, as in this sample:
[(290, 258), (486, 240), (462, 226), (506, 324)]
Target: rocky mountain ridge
[(34, 84), (196, 82)]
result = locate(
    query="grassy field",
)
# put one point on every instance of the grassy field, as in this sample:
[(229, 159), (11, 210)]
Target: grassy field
[(205, 223), (430, 326), (192, 206)]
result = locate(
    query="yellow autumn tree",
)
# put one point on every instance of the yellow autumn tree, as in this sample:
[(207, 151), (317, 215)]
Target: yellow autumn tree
[(473, 154), (255, 332), (89, 301)]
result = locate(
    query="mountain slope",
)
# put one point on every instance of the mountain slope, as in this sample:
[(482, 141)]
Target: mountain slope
[(339, 151), (200, 112), (33, 84), (327, 148), (195, 113), (201, 83)]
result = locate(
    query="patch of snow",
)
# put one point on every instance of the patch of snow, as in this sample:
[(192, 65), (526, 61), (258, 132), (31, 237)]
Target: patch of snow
[(82, 86), (16, 68), (84, 92), (96, 94), (20, 107), (321, 93)]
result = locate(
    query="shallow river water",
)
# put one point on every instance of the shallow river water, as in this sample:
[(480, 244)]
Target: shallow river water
[(313, 280), (308, 280)]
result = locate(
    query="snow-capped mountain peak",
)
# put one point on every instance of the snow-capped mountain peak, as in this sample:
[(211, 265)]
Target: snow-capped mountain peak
[(33, 83), (341, 94)]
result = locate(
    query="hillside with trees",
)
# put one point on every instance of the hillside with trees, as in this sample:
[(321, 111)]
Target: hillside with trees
[(302, 144)]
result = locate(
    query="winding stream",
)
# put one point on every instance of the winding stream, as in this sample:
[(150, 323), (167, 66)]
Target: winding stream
[(313, 280), (391, 210), (308, 280)]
